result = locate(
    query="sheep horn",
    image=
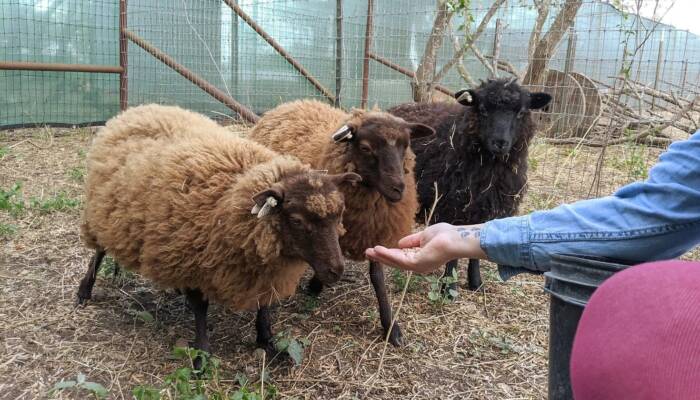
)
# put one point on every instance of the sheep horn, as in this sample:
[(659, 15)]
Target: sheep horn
[(342, 134), (270, 202), (465, 96)]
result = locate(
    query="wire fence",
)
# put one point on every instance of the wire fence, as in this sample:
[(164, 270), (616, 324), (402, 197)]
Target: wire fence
[(614, 75)]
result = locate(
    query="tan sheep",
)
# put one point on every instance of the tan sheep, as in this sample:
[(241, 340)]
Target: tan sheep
[(374, 144), (177, 198)]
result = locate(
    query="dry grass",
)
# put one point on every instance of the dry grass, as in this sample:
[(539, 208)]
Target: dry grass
[(491, 344)]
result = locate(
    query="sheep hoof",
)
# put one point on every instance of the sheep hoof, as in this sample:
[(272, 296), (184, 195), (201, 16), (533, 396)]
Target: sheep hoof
[(395, 337), (84, 294), (270, 350), (315, 286), (82, 299)]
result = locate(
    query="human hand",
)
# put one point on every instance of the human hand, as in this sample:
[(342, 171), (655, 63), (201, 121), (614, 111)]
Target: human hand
[(437, 244)]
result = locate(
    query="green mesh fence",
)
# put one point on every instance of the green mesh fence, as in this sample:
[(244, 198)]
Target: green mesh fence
[(211, 41)]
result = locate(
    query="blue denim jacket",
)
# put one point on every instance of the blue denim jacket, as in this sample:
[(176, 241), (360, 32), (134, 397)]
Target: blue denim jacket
[(644, 221)]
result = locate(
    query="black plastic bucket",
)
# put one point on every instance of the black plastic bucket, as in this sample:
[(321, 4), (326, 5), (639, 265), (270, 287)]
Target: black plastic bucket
[(571, 281)]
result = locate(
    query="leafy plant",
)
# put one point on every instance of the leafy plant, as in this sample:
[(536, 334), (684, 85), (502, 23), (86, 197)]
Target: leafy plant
[(310, 304), (58, 202), (436, 294), (76, 173), (81, 384), (12, 200), (7, 230), (188, 383), (285, 343), (399, 279), (4, 151)]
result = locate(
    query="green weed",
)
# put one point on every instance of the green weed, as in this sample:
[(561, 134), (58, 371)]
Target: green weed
[(12, 200), (77, 174), (399, 278), (188, 383), (436, 294), (7, 230), (632, 162), (80, 384), (4, 151), (58, 202), (285, 343)]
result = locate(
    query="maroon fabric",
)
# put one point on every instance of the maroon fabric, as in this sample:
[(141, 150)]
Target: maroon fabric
[(639, 336)]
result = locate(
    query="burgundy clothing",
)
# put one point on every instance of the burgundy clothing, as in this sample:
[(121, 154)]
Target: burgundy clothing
[(639, 336)]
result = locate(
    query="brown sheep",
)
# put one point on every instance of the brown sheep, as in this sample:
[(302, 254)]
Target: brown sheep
[(176, 197), (374, 144)]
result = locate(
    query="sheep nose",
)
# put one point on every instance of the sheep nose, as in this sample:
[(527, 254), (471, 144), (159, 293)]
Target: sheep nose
[(499, 144), (398, 188)]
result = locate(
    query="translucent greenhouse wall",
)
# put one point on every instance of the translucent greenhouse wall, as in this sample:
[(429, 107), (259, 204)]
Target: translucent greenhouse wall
[(209, 39)]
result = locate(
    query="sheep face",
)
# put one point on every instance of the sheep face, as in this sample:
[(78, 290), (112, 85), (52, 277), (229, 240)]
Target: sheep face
[(501, 107), (309, 208), (377, 145)]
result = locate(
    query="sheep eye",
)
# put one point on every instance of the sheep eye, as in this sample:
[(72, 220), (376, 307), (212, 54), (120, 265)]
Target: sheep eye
[(365, 149), (520, 114)]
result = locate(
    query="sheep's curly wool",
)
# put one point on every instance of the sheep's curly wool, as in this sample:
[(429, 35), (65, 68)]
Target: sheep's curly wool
[(169, 194), (473, 186), (303, 128)]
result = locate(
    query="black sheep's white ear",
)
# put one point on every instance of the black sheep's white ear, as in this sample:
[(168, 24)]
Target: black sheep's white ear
[(539, 100), (420, 131), (266, 201), (344, 134), (466, 97)]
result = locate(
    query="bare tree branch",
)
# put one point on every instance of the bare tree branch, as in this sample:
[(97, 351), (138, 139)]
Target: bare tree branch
[(425, 73), (469, 40), (545, 47)]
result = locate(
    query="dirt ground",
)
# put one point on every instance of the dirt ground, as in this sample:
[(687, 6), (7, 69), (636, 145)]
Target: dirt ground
[(490, 344)]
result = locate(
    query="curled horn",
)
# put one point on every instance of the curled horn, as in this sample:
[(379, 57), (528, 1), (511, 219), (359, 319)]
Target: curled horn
[(270, 203), (466, 96), (342, 134)]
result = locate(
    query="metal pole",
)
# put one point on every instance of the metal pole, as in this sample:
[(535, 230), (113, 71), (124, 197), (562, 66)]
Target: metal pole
[(280, 50), (37, 66), (212, 90), (368, 49), (570, 52), (684, 78), (659, 61), (496, 46), (123, 58), (338, 50), (406, 72)]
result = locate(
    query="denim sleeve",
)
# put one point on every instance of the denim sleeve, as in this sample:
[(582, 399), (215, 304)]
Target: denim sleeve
[(644, 221)]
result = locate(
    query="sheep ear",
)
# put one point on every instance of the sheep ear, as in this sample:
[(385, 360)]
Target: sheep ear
[(539, 100), (421, 131), (348, 177), (344, 134), (266, 201), (466, 97)]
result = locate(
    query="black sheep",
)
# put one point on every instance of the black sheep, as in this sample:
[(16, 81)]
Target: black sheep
[(478, 157)]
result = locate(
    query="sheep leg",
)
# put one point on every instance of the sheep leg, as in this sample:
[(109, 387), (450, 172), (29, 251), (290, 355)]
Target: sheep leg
[(315, 286), (264, 329), (474, 274), (376, 275), (199, 306), (447, 289), (88, 281)]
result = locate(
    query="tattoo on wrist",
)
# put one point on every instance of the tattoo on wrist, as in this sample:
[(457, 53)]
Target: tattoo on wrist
[(466, 233)]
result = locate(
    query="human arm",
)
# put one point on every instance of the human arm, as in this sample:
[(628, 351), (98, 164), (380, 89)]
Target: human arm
[(644, 221), (435, 245)]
